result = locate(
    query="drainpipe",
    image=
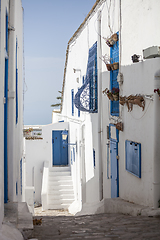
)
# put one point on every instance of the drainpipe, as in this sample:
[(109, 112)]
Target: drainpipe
[(11, 103), (156, 159), (99, 55)]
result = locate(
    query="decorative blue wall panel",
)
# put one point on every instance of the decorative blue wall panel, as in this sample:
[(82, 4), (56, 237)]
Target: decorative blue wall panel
[(133, 157)]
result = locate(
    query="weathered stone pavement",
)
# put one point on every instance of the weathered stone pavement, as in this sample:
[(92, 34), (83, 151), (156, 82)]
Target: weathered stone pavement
[(61, 225)]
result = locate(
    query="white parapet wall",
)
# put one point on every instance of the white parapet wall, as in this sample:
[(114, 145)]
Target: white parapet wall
[(44, 192)]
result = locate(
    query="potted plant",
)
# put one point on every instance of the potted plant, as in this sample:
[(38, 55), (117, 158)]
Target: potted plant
[(110, 41), (115, 66), (115, 93), (106, 59)]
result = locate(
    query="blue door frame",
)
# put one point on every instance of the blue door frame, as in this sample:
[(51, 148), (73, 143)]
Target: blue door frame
[(114, 163), (59, 150), (5, 118)]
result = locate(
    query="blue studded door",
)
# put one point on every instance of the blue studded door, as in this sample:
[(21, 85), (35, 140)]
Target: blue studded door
[(59, 150)]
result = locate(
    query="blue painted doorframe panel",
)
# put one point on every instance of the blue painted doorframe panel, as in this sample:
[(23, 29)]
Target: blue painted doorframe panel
[(114, 163), (60, 151), (5, 118)]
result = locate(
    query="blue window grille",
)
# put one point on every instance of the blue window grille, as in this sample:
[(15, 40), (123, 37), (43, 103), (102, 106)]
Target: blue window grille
[(16, 85), (114, 55), (94, 158), (92, 73), (72, 95), (86, 99), (133, 158)]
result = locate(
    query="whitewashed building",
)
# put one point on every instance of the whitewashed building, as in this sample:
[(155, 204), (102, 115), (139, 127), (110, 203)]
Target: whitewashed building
[(11, 102), (113, 144), (108, 162)]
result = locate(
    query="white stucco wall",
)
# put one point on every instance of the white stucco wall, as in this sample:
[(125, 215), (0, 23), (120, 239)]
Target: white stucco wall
[(36, 153), (14, 164), (137, 23)]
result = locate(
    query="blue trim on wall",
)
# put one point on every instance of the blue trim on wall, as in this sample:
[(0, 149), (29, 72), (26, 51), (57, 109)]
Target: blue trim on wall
[(72, 96), (94, 158), (5, 118), (16, 83), (117, 141), (21, 174)]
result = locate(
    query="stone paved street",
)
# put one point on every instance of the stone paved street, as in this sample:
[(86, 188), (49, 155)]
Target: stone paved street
[(61, 225)]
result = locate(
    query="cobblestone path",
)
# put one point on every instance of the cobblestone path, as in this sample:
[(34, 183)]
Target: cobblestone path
[(102, 226)]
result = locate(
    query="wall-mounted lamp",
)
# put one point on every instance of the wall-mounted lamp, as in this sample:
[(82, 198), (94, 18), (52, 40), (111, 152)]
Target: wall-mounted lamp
[(64, 138)]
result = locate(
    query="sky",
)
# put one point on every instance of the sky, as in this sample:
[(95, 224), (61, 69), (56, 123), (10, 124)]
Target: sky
[(48, 26)]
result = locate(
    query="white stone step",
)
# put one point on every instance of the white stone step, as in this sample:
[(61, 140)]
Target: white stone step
[(61, 196), (61, 191), (54, 174), (60, 188), (60, 169), (60, 201), (58, 206), (59, 178)]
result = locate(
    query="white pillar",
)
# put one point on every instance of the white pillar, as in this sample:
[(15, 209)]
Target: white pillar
[(11, 103), (156, 160), (99, 55)]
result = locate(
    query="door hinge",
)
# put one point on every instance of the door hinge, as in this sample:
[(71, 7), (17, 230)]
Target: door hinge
[(4, 100)]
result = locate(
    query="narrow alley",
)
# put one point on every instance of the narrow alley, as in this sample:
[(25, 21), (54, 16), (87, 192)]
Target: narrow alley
[(61, 225)]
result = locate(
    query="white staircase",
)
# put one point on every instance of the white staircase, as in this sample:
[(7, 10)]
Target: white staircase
[(60, 188)]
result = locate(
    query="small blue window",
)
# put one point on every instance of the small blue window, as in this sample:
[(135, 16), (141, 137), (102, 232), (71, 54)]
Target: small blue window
[(94, 158), (72, 95), (16, 188), (71, 158), (133, 158)]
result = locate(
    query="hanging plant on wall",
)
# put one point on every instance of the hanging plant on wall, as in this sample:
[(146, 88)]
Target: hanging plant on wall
[(132, 100), (110, 41), (119, 126), (106, 59), (113, 94)]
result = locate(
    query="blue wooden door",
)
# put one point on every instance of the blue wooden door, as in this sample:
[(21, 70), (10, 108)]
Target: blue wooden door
[(60, 151), (114, 169)]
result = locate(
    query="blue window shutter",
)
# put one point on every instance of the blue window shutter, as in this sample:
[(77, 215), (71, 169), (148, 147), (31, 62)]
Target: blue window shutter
[(133, 158), (16, 85), (92, 74), (114, 55), (72, 94)]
